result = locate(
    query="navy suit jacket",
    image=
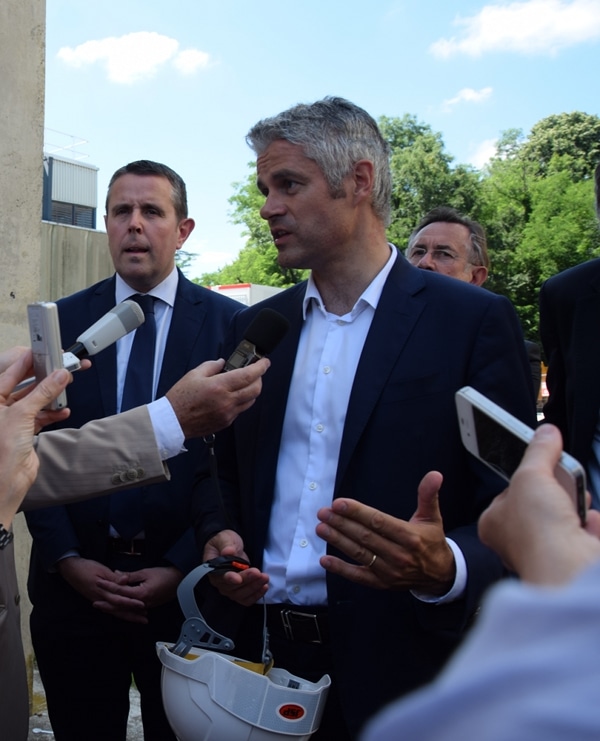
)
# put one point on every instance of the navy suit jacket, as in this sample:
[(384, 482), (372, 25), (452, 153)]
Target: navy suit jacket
[(198, 326), (569, 322), (430, 336)]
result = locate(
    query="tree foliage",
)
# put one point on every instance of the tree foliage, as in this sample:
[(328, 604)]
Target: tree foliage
[(422, 176), (574, 135), (534, 199)]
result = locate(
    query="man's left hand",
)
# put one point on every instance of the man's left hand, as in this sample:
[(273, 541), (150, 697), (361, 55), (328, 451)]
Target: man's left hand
[(391, 553)]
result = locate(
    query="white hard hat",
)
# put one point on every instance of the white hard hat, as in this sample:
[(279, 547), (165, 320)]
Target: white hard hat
[(211, 696)]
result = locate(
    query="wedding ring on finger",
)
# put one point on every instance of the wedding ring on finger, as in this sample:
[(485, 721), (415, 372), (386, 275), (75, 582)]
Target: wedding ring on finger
[(372, 561)]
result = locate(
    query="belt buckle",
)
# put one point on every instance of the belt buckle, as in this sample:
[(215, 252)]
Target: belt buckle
[(132, 548), (289, 616)]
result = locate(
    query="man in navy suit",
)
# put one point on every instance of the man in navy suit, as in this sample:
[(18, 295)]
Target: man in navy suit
[(358, 403), (447, 242), (569, 310), (101, 598)]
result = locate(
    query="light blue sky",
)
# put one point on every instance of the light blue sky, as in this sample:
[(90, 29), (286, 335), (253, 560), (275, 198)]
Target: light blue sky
[(181, 82)]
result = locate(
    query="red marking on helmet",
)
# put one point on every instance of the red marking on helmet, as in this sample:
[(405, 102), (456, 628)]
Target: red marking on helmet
[(292, 712)]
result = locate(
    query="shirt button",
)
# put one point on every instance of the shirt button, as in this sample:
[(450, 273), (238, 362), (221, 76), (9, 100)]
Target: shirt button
[(319, 428), (312, 486), (303, 543), (327, 369), (296, 589)]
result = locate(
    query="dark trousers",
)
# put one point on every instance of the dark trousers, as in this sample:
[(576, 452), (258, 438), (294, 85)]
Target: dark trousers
[(87, 661)]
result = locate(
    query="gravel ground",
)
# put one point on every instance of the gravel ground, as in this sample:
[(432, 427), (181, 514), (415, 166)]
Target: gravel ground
[(40, 728)]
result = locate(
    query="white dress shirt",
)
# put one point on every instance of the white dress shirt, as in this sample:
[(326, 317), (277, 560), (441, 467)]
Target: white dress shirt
[(328, 354)]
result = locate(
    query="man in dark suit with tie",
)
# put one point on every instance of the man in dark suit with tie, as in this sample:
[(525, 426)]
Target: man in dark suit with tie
[(358, 403), (104, 573), (569, 328)]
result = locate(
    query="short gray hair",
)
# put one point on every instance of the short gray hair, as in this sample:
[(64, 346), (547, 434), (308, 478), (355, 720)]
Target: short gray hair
[(478, 252), (336, 134)]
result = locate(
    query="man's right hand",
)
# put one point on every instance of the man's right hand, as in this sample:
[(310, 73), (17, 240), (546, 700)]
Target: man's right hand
[(244, 587), (206, 400)]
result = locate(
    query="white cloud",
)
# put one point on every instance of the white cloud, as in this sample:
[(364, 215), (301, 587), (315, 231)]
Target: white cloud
[(134, 57), (530, 27), (467, 95), (188, 61), (483, 153)]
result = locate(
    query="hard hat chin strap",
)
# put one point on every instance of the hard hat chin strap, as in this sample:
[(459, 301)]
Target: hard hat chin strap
[(195, 631)]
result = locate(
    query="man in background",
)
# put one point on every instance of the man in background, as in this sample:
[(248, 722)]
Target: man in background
[(104, 573), (449, 243), (569, 327)]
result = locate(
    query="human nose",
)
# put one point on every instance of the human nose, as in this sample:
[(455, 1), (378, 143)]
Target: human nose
[(135, 221), (272, 206), (426, 261)]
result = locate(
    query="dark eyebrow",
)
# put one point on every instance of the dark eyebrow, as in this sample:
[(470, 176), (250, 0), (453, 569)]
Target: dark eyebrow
[(435, 246)]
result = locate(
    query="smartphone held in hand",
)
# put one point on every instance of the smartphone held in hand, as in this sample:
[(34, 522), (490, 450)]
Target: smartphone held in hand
[(499, 440)]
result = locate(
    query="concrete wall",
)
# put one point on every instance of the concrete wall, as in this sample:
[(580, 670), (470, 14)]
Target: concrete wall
[(22, 47), (71, 258), (34, 267)]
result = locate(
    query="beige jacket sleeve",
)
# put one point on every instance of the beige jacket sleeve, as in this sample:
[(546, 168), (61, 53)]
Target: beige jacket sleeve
[(102, 456)]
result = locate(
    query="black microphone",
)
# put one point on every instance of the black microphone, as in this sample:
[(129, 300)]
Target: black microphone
[(261, 337), (116, 323)]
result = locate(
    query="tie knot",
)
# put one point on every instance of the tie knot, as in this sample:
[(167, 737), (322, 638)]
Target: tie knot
[(145, 301)]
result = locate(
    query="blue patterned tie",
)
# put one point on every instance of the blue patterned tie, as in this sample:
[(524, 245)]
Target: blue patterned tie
[(126, 506)]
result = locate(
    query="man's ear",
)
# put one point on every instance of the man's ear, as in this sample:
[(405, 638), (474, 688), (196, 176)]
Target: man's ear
[(185, 228), (479, 275), (363, 176)]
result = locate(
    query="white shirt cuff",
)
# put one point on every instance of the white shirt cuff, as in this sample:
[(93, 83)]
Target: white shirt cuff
[(167, 430), (460, 580)]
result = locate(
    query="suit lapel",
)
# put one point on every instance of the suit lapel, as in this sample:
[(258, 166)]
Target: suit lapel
[(397, 312), (586, 362), (186, 324)]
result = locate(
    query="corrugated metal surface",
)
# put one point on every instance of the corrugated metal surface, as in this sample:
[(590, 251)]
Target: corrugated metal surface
[(73, 182)]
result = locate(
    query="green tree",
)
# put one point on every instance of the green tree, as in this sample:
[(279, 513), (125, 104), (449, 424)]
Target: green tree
[(576, 135), (422, 176), (562, 231), (537, 207)]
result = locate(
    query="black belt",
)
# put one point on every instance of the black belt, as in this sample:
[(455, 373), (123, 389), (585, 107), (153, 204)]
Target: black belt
[(122, 547), (298, 623)]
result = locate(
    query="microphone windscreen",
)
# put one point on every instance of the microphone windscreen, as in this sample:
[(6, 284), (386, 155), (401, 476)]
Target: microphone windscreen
[(266, 330), (130, 314)]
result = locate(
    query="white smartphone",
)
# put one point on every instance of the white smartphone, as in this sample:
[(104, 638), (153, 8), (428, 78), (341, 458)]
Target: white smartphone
[(44, 332), (499, 440)]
